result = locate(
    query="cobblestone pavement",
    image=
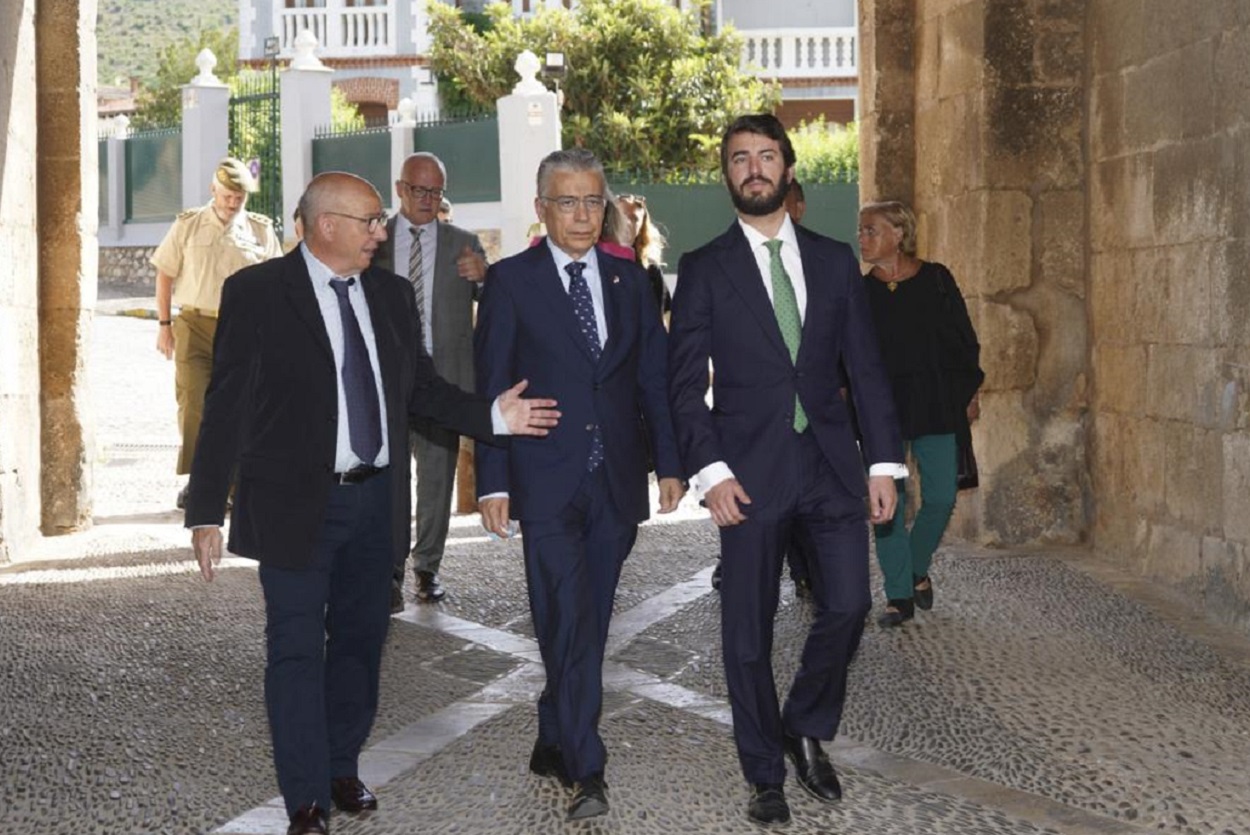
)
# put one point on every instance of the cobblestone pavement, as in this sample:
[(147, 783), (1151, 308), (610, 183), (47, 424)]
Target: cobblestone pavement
[(1045, 692)]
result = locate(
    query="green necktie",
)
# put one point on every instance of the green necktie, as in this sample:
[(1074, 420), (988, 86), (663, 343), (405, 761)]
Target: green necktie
[(786, 309)]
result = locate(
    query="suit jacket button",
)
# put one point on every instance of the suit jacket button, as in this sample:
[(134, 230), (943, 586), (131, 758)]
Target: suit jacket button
[(590, 427)]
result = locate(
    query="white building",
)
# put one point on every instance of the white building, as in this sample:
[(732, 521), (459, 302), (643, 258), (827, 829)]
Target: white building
[(379, 48)]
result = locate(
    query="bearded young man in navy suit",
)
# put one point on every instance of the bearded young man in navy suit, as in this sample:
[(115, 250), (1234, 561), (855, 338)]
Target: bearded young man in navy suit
[(318, 368), (779, 310), (584, 328)]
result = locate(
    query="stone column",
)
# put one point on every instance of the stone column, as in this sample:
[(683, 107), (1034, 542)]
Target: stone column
[(205, 129), (529, 129), (19, 282), (305, 89), (887, 100), (999, 194), (68, 197)]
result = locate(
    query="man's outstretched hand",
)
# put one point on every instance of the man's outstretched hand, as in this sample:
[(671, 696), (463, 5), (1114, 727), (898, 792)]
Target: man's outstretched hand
[(527, 416)]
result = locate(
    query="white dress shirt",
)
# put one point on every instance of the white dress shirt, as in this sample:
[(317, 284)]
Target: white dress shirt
[(792, 260)]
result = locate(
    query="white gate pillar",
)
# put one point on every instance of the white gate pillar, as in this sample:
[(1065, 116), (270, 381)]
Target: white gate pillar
[(205, 129), (529, 129), (305, 106)]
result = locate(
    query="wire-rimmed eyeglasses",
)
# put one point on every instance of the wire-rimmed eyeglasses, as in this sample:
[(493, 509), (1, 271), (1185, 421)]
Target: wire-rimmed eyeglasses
[(371, 223), (421, 192)]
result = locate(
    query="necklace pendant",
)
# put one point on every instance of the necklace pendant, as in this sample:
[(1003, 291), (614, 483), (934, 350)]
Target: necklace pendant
[(892, 285)]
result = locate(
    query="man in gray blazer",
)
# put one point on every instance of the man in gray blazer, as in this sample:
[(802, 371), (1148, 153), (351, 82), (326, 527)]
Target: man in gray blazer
[(446, 265)]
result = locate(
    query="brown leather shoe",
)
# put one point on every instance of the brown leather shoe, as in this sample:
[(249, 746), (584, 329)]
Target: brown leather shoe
[(429, 589), (309, 820), (352, 796)]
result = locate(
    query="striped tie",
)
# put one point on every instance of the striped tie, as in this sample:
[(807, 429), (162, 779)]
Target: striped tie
[(415, 270)]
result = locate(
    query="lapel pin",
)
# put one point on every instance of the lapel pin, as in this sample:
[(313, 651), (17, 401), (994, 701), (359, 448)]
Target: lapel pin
[(616, 279)]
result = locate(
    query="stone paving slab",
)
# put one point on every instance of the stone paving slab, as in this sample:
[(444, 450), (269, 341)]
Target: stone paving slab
[(1031, 675), (669, 772), (133, 700)]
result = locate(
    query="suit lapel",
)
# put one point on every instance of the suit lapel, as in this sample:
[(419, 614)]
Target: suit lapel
[(818, 289), (738, 264), (300, 295), (611, 284), (385, 337)]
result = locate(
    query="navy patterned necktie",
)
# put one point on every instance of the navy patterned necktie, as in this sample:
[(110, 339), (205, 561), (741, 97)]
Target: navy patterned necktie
[(583, 306), (364, 421), (584, 310)]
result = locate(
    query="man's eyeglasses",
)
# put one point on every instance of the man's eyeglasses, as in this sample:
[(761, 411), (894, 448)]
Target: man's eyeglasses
[(372, 223), (421, 192), (566, 205)]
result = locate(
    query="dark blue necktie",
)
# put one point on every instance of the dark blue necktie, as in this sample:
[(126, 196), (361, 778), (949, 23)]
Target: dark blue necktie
[(364, 422), (584, 310)]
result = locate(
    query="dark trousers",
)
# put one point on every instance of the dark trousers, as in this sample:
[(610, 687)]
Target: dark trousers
[(324, 630), (572, 565), (832, 522)]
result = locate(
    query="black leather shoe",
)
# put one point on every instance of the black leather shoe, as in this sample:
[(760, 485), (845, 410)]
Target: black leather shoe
[(590, 798), (897, 612), (768, 805), (547, 761), (352, 796), (309, 820), (397, 598), (716, 576), (813, 769), (429, 589), (803, 588), (922, 596)]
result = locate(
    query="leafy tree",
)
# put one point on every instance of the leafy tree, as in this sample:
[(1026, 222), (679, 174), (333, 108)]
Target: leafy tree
[(160, 102), (646, 88)]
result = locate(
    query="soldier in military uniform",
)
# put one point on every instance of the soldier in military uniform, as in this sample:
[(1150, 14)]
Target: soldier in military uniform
[(202, 249)]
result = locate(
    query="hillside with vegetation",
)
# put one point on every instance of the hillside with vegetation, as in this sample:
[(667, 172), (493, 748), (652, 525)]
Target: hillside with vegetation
[(132, 33)]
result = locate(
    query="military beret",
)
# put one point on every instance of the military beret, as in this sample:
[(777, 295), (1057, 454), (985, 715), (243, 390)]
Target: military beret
[(235, 175)]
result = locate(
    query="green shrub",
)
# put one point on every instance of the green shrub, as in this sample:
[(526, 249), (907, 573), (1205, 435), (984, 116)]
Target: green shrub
[(826, 153)]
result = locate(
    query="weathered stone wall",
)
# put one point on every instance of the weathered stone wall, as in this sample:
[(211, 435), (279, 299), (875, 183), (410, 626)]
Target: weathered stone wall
[(1169, 312), (68, 196), (19, 314), (127, 269), (992, 162)]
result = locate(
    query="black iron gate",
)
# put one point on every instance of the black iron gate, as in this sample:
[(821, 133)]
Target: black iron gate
[(256, 138)]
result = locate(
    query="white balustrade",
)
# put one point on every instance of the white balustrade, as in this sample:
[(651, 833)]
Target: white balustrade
[(801, 53), (343, 31)]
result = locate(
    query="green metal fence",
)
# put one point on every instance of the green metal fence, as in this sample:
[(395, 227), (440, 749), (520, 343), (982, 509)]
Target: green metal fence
[(256, 139), (469, 148), (153, 176), (364, 153), (104, 181), (691, 215)]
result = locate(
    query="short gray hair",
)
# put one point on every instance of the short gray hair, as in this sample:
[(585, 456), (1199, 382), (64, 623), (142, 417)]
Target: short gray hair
[(573, 159)]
